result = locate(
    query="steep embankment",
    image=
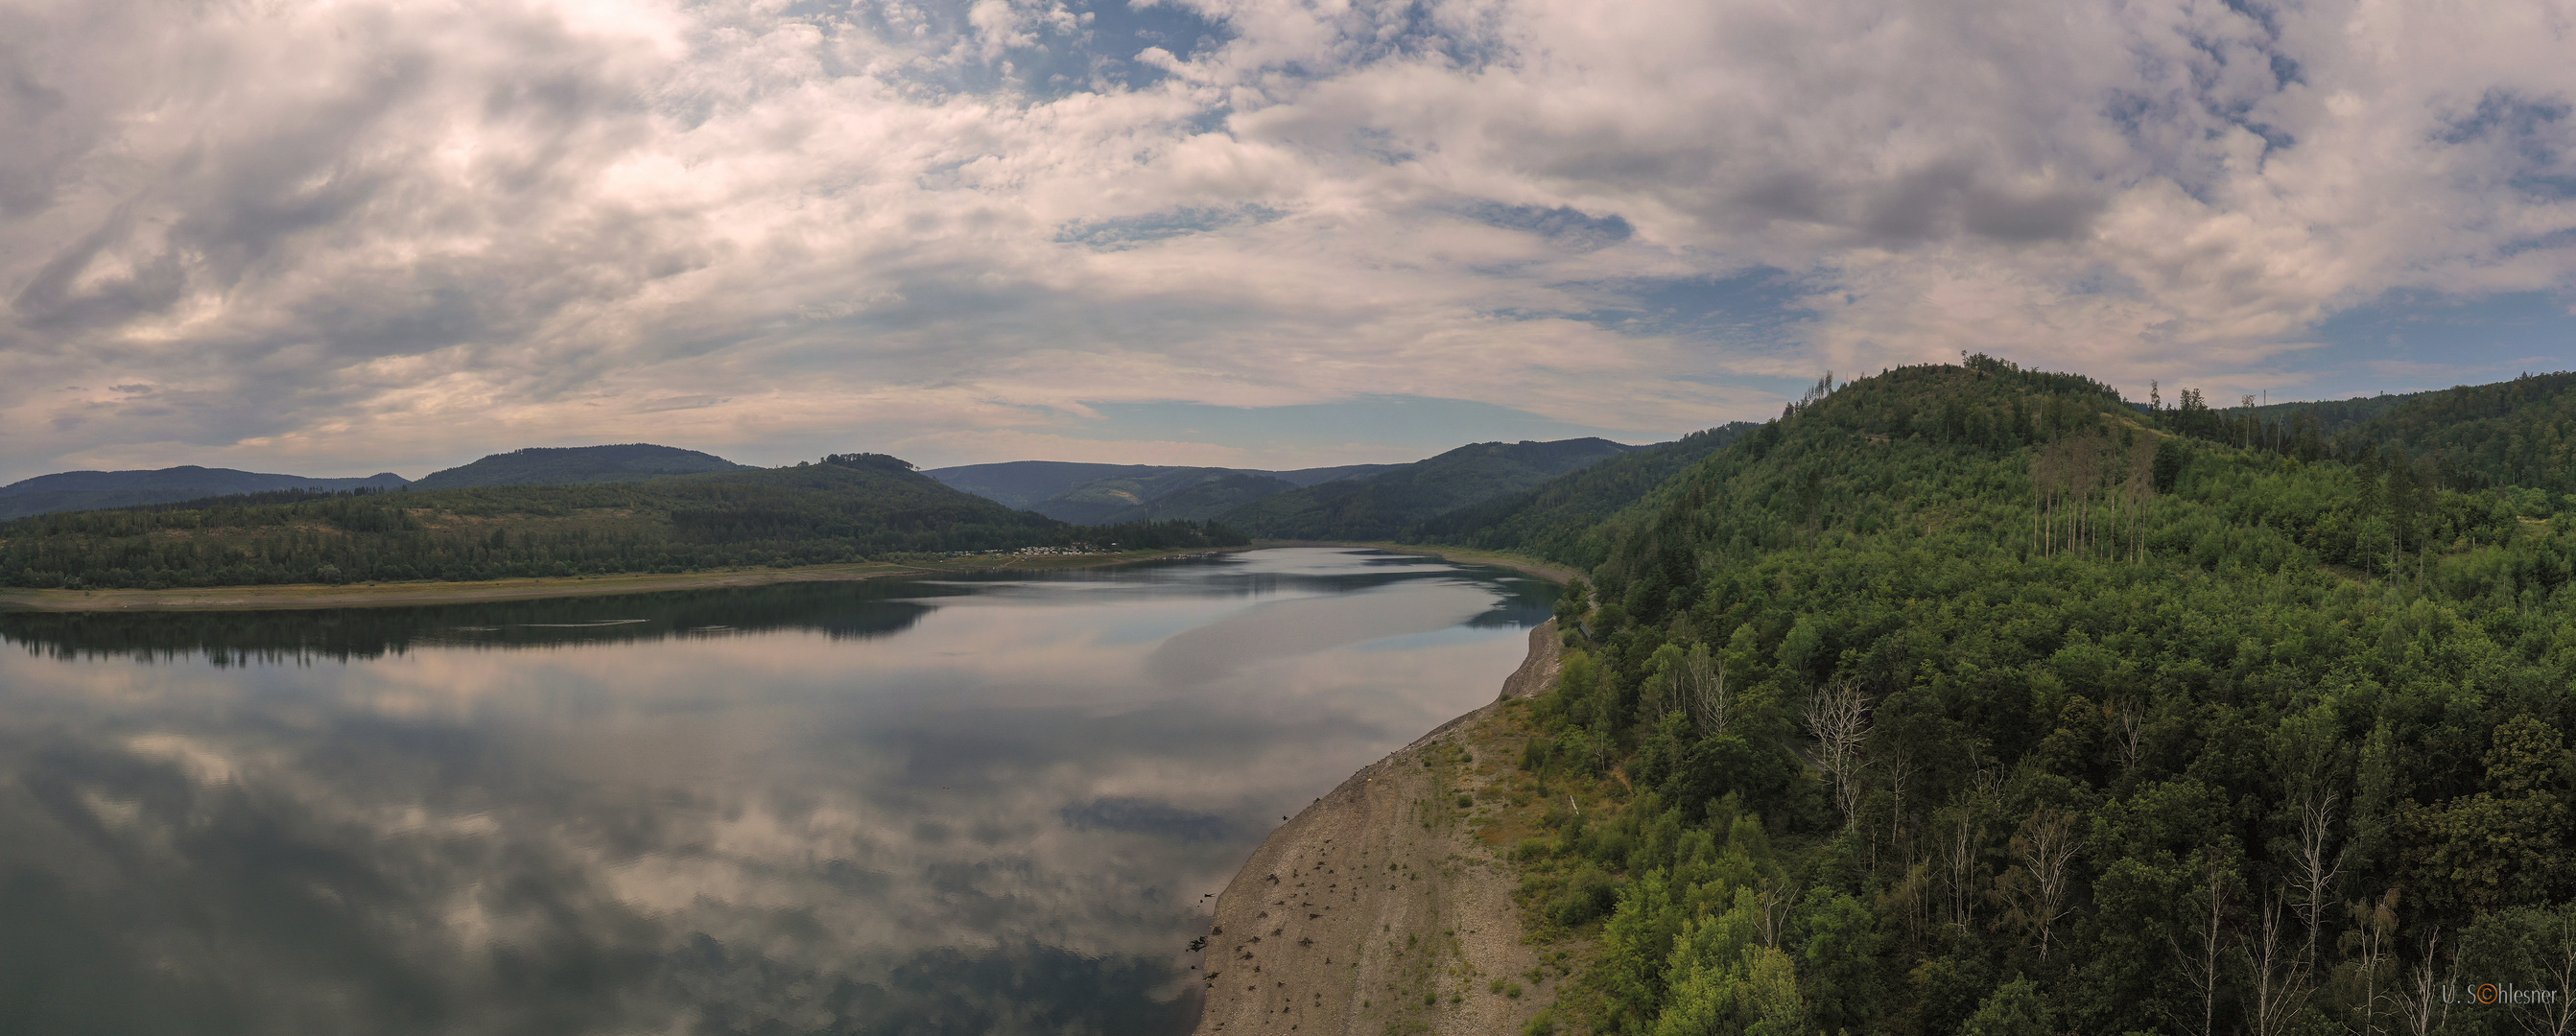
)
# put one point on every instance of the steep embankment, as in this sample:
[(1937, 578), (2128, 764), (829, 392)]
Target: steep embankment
[(1378, 909)]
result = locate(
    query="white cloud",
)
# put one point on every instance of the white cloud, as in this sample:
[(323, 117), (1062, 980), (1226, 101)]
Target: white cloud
[(367, 234)]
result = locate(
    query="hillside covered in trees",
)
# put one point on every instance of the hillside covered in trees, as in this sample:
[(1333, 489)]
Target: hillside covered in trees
[(1968, 699), (1381, 505), (577, 465), (849, 507), (1077, 492), (1568, 518), (91, 490)]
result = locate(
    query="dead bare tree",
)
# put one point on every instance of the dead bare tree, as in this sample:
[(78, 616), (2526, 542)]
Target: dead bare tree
[(2199, 955), (2317, 862), (2038, 889), (2365, 947), (2425, 1007), (1839, 718), (1901, 768), (1775, 902), (1704, 692), (2128, 725), (2558, 1017), (1966, 842), (2280, 977)]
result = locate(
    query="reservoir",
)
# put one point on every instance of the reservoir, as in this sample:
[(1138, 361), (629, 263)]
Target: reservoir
[(981, 804)]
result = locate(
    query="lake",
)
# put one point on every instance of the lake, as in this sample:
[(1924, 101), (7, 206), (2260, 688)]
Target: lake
[(987, 804)]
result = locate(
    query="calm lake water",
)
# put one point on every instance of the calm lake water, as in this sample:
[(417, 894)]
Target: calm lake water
[(976, 805)]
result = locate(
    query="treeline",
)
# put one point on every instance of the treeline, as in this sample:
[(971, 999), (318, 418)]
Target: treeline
[(2519, 433), (848, 508), (1160, 535), (1968, 701)]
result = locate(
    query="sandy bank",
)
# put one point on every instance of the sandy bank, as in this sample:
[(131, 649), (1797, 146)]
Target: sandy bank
[(1377, 909), (251, 598)]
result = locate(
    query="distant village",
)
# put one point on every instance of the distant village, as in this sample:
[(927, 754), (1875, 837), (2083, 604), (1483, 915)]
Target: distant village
[(1069, 551)]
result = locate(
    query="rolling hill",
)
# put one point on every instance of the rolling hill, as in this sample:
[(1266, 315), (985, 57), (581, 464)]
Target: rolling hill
[(2011, 707), (91, 490), (1380, 505), (846, 508), (576, 465), (1131, 492), (1569, 516)]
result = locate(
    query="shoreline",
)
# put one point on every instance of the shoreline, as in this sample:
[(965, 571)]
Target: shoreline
[(305, 596), (1335, 962), (1304, 939), (1547, 570)]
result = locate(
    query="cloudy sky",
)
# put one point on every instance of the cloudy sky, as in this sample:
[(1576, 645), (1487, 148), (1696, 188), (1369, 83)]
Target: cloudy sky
[(342, 236)]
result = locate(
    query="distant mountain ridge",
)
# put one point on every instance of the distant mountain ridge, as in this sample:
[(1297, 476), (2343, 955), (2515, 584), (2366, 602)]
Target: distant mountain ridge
[(576, 465), (844, 509), (1367, 501), (1575, 515), (1079, 492), (1383, 504), (94, 490)]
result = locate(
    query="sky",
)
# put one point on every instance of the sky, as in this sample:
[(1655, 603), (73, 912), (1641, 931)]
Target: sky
[(347, 236)]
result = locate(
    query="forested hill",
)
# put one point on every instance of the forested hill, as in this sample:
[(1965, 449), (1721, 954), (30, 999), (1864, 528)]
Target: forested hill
[(576, 465), (1567, 518), (1380, 505), (2519, 433), (1975, 700), (90, 490), (849, 507), (1077, 492)]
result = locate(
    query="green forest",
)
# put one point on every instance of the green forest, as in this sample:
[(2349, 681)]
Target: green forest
[(845, 508), (1970, 699), (1382, 505)]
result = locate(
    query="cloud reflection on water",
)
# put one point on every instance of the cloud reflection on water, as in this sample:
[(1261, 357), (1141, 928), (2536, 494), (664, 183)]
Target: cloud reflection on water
[(997, 816)]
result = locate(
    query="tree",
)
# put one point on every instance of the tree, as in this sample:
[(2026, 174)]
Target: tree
[(2502, 846), (1703, 687), (2365, 983), (2317, 861), (1839, 719), (2200, 947), (2277, 984), (1837, 942), (2040, 887), (2171, 457), (2014, 1010)]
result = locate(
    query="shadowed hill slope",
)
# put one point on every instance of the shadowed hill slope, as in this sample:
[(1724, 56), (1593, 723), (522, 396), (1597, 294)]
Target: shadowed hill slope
[(1566, 518), (1025, 483), (1381, 505), (1131, 492), (92, 490), (576, 465), (850, 507)]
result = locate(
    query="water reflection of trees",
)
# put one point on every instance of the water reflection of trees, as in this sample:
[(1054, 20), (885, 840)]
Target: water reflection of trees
[(838, 610)]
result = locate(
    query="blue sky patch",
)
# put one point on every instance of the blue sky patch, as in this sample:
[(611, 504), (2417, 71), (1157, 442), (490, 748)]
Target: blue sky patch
[(1129, 231), (2409, 341), (1401, 427)]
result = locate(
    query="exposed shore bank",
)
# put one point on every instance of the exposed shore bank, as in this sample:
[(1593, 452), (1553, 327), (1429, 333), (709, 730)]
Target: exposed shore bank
[(1379, 909), (379, 595)]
